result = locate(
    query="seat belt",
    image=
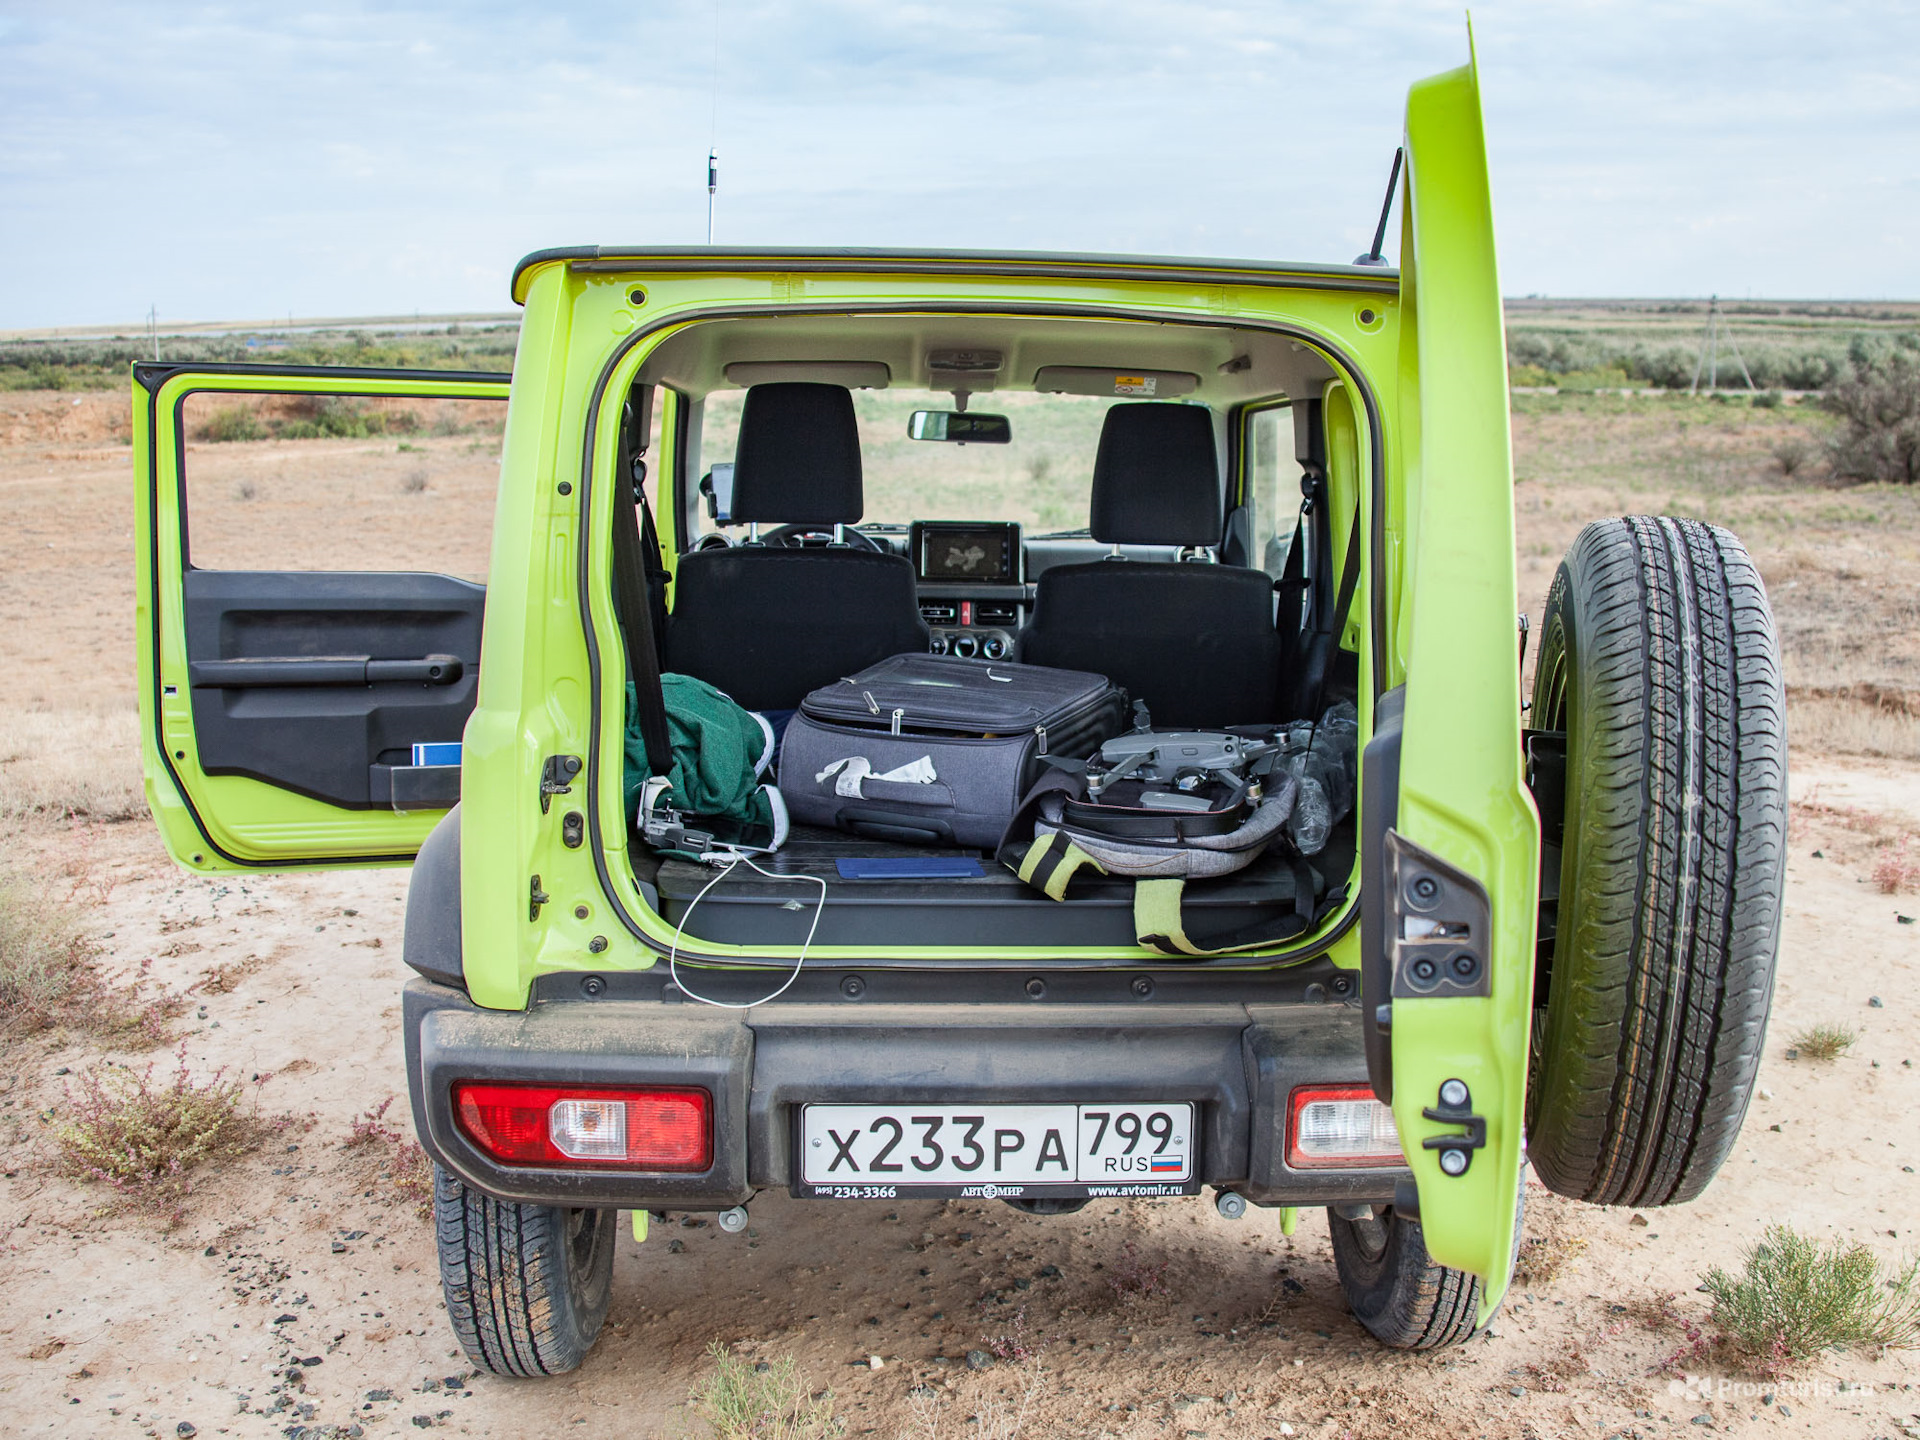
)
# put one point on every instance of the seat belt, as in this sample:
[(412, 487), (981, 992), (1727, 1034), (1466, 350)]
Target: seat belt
[(1322, 642), (634, 607), (1291, 589)]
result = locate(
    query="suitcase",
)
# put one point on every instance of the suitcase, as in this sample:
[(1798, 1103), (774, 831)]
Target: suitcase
[(937, 750)]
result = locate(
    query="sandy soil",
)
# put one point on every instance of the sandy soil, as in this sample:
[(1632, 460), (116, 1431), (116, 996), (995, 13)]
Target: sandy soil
[(114, 1324)]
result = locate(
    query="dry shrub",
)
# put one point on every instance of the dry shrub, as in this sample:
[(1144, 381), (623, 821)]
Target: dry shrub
[(994, 1417), (1553, 1242), (50, 975), (224, 978), (768, 1401), (145, 1139), (1795, 1298), (1836, 725), (1133, 1275), (392, 1159), (1824, 1042), (71, 762), (1895, 871), (46, 960)]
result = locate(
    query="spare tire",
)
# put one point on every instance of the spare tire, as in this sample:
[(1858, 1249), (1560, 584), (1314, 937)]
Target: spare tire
[(1658, 661)]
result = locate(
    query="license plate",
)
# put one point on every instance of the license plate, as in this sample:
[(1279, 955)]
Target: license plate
[(877, 1152)]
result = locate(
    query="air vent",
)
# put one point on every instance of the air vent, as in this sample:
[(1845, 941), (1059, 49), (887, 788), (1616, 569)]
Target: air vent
[(939, 613), (994, 612)]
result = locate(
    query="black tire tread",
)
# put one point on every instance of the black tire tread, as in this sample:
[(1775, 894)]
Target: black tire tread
[(503, 1270), (1675, 862), (1406, 1300)]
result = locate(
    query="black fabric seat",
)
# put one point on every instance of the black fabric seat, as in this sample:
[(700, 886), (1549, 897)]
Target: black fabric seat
[(1195, 641), (766, 623)]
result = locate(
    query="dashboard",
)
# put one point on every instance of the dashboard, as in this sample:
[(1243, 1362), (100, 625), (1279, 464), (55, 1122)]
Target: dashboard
[(973, 595), (975, 578)]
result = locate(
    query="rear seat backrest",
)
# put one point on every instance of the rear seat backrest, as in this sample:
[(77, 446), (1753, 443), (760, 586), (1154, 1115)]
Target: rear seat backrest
[(764, 623), (1195, 641)]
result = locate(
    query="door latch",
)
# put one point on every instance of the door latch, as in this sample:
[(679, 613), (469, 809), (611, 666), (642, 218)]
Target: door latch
[(1455, 1108), (557, 778)]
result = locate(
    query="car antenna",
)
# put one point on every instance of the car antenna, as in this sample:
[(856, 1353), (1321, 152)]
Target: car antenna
[(713, 122), (713, 183), (1374, 256)]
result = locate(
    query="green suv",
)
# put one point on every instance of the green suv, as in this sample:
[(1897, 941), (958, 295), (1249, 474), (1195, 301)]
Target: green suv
[(1543, 932)]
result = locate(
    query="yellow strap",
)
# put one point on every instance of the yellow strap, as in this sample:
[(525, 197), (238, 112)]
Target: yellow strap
[(1052, 861), (1156, 918)]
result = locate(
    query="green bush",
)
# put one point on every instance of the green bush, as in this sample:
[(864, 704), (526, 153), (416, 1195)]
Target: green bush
[(1878, 402), (231, 422), (1794, 1298)]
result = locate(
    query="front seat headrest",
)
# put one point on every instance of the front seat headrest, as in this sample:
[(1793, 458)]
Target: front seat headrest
[(798, 456), (1156, 480)]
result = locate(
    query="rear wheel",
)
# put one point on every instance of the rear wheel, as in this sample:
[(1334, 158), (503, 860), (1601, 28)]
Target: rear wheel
[(1659, 662), (1394, 1287), (526, 1285)]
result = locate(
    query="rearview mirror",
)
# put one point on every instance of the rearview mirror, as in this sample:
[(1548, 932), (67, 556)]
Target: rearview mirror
[(959, 429)]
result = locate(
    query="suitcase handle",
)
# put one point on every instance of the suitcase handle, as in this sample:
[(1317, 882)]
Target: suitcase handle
[(886, 825)]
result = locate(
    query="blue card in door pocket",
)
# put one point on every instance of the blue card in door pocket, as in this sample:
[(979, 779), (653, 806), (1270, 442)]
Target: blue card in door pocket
[(438, 752), (909, 867)]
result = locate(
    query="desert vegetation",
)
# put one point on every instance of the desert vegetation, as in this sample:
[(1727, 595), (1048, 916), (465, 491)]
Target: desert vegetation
[(98, 364), (1795, 1297)]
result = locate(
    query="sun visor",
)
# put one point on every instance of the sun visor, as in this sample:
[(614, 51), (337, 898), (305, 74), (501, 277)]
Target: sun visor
[(1133, 384), (852, 374)]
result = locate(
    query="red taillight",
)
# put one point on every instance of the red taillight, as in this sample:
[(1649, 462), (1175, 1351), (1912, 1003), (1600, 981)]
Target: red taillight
[(1340, 1127), (653, 1129)]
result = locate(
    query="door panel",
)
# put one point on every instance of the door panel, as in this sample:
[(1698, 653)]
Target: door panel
[(323, 683), (281, 707)]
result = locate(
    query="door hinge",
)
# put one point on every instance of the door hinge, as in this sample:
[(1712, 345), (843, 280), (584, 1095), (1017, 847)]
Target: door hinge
[(536, 897), (557, 778)]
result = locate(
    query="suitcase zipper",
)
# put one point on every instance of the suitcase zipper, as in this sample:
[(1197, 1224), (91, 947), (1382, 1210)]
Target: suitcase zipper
[(1041, 732), (899, 715)]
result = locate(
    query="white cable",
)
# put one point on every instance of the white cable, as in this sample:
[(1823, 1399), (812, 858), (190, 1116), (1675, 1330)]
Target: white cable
[(673, 952)]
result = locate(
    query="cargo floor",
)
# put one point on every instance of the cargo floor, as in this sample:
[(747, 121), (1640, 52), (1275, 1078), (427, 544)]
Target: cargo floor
[(992, 907)]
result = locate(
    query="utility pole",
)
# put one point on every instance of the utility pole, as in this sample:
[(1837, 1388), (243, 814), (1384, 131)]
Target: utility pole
[(1710, 351), (153, 328)]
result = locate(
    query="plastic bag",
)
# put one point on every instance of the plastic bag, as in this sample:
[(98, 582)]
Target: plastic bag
[(1325, 759)]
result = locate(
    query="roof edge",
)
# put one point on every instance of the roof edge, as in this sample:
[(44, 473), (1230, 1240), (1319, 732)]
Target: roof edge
[(851, 259)]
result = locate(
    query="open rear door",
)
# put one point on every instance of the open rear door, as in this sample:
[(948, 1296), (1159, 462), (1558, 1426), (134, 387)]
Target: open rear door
[(1461, 853), (312, 551)]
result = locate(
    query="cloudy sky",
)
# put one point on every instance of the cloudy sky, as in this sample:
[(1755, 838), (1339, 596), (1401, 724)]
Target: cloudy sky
[(328, 157)]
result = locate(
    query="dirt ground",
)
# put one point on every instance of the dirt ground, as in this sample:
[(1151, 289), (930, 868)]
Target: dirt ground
[(302, 1258)]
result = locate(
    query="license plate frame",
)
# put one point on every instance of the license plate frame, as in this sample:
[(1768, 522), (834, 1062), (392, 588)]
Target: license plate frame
[(836, 1145)]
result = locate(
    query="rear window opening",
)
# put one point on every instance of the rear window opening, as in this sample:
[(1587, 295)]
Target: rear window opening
[(826, 516)]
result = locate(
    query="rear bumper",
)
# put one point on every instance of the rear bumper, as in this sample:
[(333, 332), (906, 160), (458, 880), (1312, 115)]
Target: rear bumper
[(1238, 1063)]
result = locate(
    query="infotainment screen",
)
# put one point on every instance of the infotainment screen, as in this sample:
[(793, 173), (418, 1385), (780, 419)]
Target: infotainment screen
[(958, 551)]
